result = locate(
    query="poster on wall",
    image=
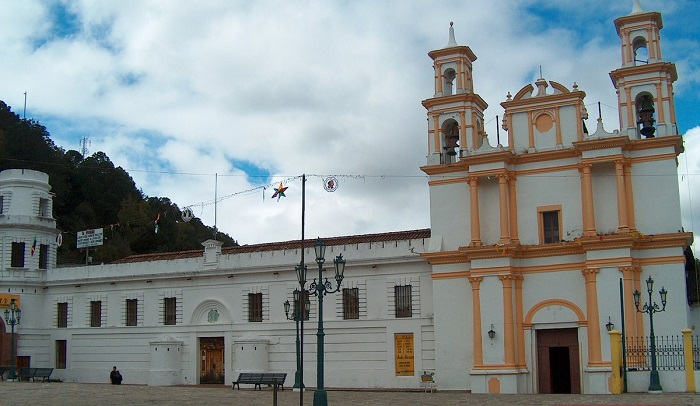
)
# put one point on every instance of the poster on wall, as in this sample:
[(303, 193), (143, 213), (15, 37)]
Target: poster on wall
[(403, 353), (6, 298)]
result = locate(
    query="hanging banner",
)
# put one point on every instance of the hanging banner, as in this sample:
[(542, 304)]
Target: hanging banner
[(89, 238), (403, 353)]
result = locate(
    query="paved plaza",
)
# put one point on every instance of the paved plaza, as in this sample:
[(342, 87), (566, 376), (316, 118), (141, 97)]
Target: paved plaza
[(78, 394)]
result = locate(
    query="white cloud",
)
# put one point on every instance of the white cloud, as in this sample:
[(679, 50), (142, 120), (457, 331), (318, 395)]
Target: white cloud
[(316, 87)]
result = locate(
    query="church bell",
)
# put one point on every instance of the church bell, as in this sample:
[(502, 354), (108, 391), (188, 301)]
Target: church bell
[(451, 140), (646, 116)]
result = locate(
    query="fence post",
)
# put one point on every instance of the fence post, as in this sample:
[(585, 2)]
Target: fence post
[(615, 384), (688, 356)]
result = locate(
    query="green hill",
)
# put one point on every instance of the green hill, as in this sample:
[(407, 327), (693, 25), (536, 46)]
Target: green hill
[(92, 193)]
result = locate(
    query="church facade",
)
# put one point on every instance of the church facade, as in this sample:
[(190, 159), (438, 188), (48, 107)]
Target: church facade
[(509, 291)]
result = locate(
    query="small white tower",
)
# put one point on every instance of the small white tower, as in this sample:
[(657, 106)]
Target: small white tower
[(644, 83), (27, 227)]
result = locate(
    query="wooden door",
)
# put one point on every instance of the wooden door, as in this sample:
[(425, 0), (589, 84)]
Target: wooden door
[(212, 369), (558, 365)]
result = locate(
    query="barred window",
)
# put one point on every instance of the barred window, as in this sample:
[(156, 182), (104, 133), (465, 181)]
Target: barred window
[(255, 307), (170, 315), (95, 313), (61, 354), (403, 297), (132, 306), (351, 303), (17, 260), (62, 314), (43, 256)]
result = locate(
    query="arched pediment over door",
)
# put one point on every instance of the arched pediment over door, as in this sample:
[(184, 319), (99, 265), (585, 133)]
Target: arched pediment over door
[(211, 312)]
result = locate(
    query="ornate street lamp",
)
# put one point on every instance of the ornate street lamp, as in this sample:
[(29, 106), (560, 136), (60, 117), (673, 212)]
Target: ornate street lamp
[(296, 318), (321, 288), (650, 309), (12, 317)]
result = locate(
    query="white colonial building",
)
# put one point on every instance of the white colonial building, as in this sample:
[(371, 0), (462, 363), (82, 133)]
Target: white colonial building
[(509, 291)]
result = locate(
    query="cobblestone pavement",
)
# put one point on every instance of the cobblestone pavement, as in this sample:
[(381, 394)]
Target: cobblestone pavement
[(77, 394)]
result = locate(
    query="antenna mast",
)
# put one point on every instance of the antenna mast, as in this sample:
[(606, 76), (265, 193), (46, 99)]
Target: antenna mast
[(84, 142), (24, 116)]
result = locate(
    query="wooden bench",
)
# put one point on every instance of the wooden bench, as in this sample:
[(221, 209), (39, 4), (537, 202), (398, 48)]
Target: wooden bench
[(260, 378), (43, 373)]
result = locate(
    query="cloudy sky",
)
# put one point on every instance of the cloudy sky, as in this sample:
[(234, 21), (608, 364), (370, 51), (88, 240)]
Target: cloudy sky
[(197, 99)]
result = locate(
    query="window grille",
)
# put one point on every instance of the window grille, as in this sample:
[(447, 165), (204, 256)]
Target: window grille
[(403, 297)]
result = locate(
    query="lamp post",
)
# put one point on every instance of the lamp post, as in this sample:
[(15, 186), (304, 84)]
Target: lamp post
[(12, 317), (295, 317), (651, 308), (301, 312), (321, 288)]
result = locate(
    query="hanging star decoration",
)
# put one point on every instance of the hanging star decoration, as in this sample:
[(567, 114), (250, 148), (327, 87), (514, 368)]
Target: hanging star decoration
[(279, 192)]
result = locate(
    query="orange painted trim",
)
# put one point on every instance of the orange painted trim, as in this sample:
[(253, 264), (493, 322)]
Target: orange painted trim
[(436, 134), (434, 170), (530, 132), (451, 275), (520, 105), (513, 209), (438, 68), (474, 212), (445, 257), (508, 319), (629, 106), (495, 367), (628, 73), (555, 302), (472, 99), (441, 182), (557, 118), (594, 345), (540, 219), (504, 218)]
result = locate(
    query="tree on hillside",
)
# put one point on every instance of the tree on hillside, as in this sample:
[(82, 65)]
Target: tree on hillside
[(90, 192)]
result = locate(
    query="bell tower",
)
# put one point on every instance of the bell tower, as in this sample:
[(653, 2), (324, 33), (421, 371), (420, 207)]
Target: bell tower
[(644, 83), (455, 112)]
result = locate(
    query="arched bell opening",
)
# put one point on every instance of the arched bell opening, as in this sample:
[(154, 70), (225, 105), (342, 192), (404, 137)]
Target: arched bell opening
[(449, 81), (644, 105), (640, 51), (450, 141)]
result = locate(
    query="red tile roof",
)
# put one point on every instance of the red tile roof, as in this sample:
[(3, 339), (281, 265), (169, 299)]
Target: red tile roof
[(283, 245)]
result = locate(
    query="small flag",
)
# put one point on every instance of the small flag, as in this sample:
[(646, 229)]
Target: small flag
[(34, 246), (157, 222)]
